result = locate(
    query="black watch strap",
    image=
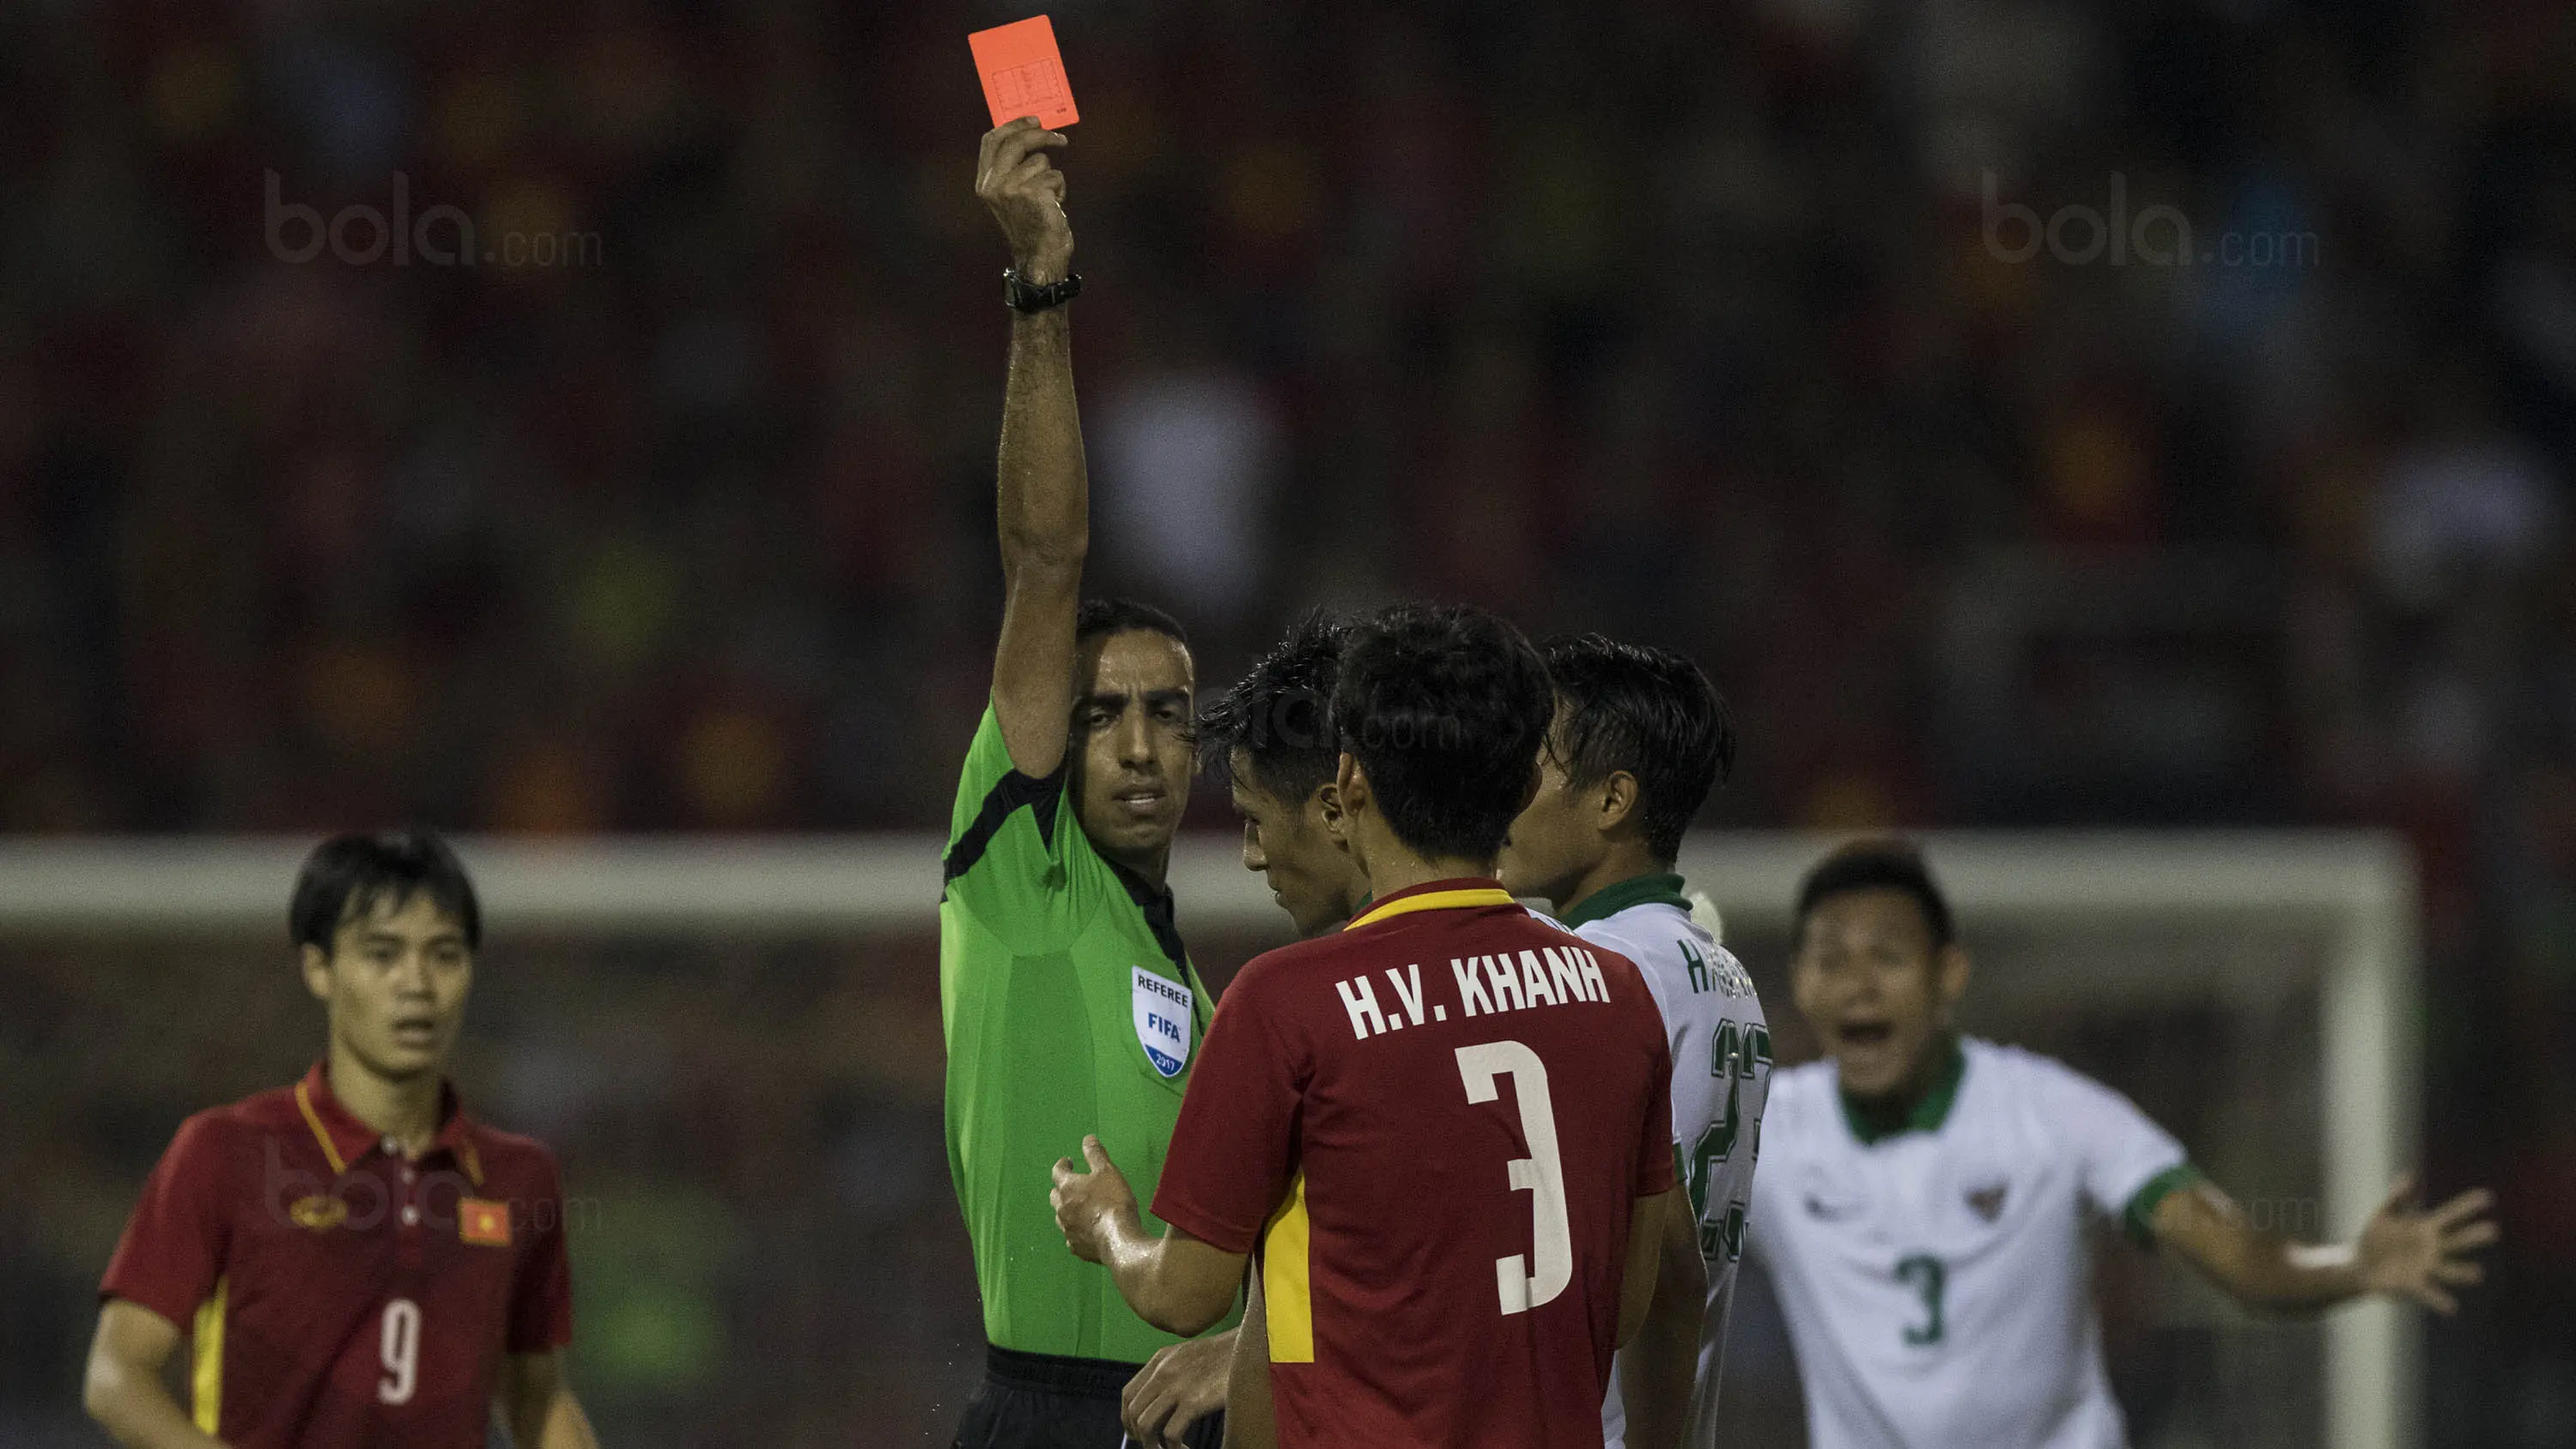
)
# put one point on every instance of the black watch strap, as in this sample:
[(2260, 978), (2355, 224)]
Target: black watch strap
[(1023, 295)]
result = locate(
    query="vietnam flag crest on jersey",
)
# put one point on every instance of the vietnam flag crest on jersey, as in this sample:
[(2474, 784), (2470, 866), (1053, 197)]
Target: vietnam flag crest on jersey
[(483, 1222)]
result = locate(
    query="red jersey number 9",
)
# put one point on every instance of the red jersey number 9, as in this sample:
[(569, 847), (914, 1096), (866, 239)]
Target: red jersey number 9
[(400, 1352), (1520, 1286)]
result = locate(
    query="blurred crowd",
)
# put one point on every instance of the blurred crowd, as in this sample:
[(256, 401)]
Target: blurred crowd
[(544, 417)]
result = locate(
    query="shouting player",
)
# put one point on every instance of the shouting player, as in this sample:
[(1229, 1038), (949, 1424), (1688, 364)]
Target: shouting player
[(1446, 1127), (1639, 739), (355, 1260), (1922, 1203), (1068, 1003)]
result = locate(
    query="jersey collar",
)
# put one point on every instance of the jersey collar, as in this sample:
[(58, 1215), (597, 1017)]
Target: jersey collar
[(346, 1140), (1636, 890), (1465, 893), (1155, 902), (1872, 1122)]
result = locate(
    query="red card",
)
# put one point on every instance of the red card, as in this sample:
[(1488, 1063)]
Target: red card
[(1024, 73)]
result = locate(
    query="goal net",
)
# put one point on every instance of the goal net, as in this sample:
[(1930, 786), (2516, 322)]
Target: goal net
[(735, 1046)]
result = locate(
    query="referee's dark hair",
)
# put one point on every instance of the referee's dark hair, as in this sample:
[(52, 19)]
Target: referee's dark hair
[(1868, 865), (1280, 714), (1445, 708), (1648, 711), (346, 877), (1093, 618)]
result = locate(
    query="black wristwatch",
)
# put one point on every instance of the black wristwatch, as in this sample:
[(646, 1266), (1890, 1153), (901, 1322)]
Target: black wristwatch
[(1026, 296)]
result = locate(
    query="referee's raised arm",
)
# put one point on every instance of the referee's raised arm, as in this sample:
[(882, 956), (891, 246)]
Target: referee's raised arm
[(1068, 1004), (1044, 505)]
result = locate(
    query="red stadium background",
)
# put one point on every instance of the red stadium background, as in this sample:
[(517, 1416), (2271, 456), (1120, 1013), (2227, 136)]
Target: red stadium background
[(554, 419)]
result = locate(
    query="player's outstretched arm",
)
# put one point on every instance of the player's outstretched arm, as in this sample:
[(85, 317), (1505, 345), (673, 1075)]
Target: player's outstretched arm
[(2403, 1251), (1178, 1283), (123, 1390), (1657, 1371), (1645, 1257), (539, 1404), (1043, 507)]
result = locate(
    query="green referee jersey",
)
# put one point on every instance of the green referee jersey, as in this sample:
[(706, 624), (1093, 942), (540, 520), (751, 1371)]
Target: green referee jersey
[(1069, 1007)]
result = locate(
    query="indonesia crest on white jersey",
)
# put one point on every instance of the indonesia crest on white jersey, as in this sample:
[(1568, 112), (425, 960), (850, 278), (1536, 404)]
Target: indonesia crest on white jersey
[(1721, 1052), (1934, 1272)]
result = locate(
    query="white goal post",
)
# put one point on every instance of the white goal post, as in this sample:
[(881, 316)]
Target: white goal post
[(2356, 890)]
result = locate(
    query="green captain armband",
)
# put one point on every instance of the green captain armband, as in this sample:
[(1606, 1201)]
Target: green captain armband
[(2140, 1215)]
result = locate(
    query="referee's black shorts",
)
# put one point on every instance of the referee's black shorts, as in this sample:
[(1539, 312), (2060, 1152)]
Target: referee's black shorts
[(1041, 1401)]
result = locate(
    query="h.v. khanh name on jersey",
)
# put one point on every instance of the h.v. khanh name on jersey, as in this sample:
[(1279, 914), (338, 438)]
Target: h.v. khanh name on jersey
[(1486, 986)]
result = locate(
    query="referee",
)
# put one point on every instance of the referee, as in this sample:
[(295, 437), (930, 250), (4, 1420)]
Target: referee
[(1067, 1000)]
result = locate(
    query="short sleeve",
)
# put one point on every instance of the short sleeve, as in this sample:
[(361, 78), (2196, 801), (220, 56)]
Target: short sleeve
[(173, 1247), (2121, 1154), (1016, 857), (1655, 1147), (1234, 1147), (541, 1295)]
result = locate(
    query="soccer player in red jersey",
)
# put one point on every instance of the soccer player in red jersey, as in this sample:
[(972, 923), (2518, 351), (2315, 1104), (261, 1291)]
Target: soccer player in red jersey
[(358, 1263), (1373, 1104), (1270, 742)]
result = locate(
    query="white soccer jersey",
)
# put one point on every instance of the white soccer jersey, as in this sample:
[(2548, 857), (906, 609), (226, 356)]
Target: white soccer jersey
[(1721, 1051), (1935, 1278)]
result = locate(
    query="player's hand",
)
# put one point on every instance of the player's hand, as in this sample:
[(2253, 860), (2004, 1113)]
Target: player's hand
[(1090, 1205), (1176, 1388), (2404, 1249), (1025, 193)]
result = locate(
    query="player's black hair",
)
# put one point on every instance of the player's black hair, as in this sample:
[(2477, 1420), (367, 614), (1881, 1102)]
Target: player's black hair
[(1647, 711), (1280, 714), (1094, 618), (1446, 709), (347, 875), (1866, 865)]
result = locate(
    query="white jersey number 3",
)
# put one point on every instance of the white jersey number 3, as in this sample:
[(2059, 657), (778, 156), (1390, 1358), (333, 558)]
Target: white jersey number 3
[(400, 1352), (1541, 1174)]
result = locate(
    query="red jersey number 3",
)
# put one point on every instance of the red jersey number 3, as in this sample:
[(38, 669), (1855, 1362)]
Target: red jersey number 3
[(1519, 1285)]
